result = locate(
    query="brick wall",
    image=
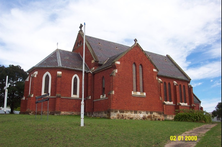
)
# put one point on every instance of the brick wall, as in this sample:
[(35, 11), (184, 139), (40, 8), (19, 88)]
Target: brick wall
[(123, 84)]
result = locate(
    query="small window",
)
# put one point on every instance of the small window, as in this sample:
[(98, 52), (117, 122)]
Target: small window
[(103, 86), (165, 92), (46, 86), (134, 77), (188, 94), (141, 78), (75, 86), (180, 93), (46, 83), (184, 94), (169, 92)]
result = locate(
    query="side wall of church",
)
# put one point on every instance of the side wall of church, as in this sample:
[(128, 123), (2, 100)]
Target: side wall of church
[(102, 102), (60, 99), (170, 106)]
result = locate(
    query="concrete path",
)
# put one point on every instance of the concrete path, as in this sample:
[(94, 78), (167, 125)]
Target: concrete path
[(199, 132)]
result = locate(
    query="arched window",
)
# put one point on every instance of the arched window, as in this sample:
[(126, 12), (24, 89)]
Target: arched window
[(165, 92), (75, 86), (103, 86), (169, 91), (184, 94), (141, 78), (134, 77), (180, 93), (46, 83)]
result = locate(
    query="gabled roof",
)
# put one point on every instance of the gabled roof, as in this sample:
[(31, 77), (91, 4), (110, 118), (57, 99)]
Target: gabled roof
[(107, 52), (116, 57), (63, 59)]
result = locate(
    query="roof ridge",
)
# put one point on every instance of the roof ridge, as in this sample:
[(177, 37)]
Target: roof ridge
[(58, 58), (107, 41), (155, 53)]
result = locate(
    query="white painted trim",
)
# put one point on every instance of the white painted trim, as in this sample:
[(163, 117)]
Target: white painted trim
[(183, 104), (43, 82), (137, 93), (175, 83), (72, 83), (167, 102), (103, 96), (117, 62), (155, 70)]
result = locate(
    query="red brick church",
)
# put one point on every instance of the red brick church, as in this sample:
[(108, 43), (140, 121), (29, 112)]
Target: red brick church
[(121, 82)]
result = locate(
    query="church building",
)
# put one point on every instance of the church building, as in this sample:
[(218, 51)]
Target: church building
[(121, 82)]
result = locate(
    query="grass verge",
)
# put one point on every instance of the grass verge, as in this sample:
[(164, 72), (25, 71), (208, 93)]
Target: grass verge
[(212, 138), (25, 130)]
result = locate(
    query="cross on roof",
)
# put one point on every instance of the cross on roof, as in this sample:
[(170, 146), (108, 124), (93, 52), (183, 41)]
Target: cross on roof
[(80, 27)]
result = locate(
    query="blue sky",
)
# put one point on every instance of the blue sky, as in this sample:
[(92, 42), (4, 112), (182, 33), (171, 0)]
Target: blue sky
[(189, 31)]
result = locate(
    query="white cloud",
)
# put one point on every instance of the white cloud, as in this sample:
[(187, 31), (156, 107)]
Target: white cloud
[(210, 70), (216, 83), (215, 51), (209, 104), (196, 84), (30, 32)]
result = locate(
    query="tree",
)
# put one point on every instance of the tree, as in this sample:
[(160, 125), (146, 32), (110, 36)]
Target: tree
[(16, 78), (217, 112)]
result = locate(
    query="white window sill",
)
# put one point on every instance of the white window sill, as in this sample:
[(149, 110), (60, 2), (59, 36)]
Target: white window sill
[(168, 103), (138, 94), (75, 96), (182, 104), (102, 96), (100, 99)]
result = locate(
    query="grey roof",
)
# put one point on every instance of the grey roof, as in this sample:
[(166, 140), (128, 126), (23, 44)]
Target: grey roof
[(109, 62), (107, 52), (105, 49), (63, 59), (196, 100), (167, 67)]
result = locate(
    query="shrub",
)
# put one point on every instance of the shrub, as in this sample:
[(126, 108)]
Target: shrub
[(17, 109), (193, 116)]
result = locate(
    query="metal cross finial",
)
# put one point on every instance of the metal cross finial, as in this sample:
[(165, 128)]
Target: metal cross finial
[(80, 27), (135, 40)]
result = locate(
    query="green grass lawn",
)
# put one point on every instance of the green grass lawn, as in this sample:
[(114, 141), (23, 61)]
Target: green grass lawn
[(212, 138), (25, 130)]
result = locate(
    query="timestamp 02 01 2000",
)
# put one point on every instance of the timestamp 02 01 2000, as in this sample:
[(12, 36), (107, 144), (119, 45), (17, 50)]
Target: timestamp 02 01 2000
[(183, 138)]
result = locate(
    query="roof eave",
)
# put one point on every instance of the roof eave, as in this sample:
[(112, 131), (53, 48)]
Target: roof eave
[(173, 77), (78, 69)]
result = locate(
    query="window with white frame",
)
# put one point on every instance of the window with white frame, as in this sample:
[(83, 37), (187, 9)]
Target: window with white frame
[(46, 83), (75, 86)]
